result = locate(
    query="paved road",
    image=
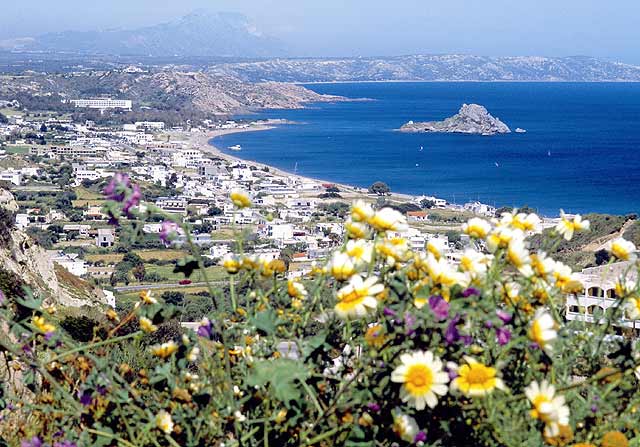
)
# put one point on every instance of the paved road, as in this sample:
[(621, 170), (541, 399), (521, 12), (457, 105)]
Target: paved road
[(140, 288)]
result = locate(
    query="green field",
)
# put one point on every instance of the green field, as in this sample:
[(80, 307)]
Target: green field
[(215, 273), (17, 149)]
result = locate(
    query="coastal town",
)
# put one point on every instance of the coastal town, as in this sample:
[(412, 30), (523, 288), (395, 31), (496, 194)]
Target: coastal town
[(57, 169)]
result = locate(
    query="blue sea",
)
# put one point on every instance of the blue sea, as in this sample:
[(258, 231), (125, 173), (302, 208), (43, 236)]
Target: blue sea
[(581, 152)]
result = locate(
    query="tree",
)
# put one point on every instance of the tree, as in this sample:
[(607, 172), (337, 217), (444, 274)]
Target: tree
[(379, 188), (43, 128), (427, 204), (173, 297), (139, 272), (3, 119), (602, 257), (333, 188), (214, 211)]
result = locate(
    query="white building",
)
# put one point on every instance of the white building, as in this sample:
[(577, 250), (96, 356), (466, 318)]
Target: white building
[(103, 103), (12, 176), (70, 262)]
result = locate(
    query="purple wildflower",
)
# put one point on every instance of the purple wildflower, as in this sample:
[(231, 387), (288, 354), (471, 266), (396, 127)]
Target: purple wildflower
[(439, 306), (116, 189), (420, 437), (373, 406), (470, 291), (166, 231), (85, 398), (389, 312), (205, 329), (451, 335), (132, 200), (33, 442), (26, 348), (451, 372), (594, 408), (504, 316), (504, 335), (49, 335), (488, 324), (409, 324)]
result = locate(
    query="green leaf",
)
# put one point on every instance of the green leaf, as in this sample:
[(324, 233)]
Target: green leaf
[(282, 375), (265, 321)]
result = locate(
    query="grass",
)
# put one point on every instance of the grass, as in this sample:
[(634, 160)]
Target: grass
[(135, 296), (146, 255), (86, 194), (215, 273), (17, 149)]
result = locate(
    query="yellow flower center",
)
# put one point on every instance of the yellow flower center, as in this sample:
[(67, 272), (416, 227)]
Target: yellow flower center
[(479, 374), (419, 379)]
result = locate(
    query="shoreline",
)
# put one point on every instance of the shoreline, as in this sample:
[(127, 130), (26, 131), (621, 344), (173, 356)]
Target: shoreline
[(205, 143)]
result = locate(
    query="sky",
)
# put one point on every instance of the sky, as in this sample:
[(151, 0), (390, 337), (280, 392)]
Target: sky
[(600, 28)]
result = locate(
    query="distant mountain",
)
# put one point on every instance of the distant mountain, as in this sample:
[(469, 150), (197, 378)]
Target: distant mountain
[(432, 68), (201, 33)]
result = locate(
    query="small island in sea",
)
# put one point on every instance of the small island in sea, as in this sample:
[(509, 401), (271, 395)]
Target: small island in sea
[(471, 119)]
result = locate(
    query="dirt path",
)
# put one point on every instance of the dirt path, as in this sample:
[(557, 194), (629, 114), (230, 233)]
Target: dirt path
[(601, 243)]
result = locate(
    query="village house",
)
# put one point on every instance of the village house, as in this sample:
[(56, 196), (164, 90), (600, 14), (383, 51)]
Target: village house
[(106, 237)]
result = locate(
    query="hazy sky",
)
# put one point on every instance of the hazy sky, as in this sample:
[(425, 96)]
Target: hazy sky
[(604, 28)]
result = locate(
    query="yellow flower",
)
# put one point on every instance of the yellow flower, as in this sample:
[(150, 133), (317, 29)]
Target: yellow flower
[(356, 230), (240, 198), (565, 279), (281, 416), (623, 249), (231, 263), (566, 227), (393, 250), (388, 219), (542, 265), (501, 237), (405, 427), (341, 266), (147, 326), (474, 262), (165, 349), (361, 252), (357, 299), (147, 298), (518, 256), (557, 435), (477, 228), (296, 289), (475, 379), (614, 439), (433, 249), (112, 315), (361, 211), (41, 324), (543, 330), (192, 356), (375, 336), (164, 422), (422, 377), (547, 407), (633, 307), (521, 221)]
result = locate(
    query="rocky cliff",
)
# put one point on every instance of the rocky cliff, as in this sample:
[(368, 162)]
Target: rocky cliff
[(471, 119), (21, 256)]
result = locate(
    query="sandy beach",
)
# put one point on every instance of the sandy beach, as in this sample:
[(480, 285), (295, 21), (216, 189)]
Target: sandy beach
[(202, 142)]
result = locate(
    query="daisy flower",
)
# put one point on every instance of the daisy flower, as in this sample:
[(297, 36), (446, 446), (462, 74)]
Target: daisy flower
[(388, 219), (543, 330), (567, 226), (477, 228), (405, 427), (358, 297), (361, 211), (342, 266), (623, 249), (547, 407), (164, 422), (518, 256), (361, 251), (422, 377)]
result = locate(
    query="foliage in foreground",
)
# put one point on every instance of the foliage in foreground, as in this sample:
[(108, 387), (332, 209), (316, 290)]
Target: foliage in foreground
[(380, 346)]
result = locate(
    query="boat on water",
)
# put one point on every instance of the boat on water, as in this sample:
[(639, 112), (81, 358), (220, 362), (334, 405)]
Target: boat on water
[(520, 130), (237, 147)]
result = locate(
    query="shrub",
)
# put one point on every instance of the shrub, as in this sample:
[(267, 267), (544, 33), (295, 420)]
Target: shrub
[(380, 346), (7, 224)]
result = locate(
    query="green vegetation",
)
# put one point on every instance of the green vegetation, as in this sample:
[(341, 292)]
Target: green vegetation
[(7, 223), (379, 188)]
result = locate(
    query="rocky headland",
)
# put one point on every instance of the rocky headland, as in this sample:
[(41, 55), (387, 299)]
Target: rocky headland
[(471, 119)]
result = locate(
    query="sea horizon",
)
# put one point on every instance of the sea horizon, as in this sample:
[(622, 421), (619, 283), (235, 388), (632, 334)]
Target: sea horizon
[(580, 153)]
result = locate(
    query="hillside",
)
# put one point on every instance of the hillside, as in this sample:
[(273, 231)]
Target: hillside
[(432, 68), (165, 90)]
